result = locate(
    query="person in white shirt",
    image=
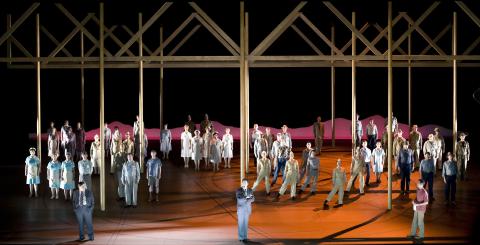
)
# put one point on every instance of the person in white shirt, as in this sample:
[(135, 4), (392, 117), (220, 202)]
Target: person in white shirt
[(227, 141), (32, 171), (366, 155), (378, 156), (85, 170), (186, 145), (372, 133)]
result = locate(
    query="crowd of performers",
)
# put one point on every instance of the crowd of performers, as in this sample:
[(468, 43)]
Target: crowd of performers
[(273, 157)]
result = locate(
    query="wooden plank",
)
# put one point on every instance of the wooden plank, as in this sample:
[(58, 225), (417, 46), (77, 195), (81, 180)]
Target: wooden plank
[(320, 34), (19, 22), (185, 39), (306, 39), (55, 41), (423, 34), (260, 49)]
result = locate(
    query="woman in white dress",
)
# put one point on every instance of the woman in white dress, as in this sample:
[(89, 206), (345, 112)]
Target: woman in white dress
[(215, 152), (186, 145), (95, 151), (207, 137), (32, 171), (378, 160), (227, 142), (197, 147), (165, 141), (53, 143)]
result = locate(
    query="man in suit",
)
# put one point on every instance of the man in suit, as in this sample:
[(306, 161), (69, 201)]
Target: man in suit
[(83, 204), (244, 209)]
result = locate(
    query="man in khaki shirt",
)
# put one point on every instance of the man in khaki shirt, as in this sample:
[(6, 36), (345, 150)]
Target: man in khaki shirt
[(318, 132), (416, 143)]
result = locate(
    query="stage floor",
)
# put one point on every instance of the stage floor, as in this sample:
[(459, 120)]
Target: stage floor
[(199, 208)]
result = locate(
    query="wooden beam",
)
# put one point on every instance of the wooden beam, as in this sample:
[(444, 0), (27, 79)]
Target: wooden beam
[(39, 93), (20, 46), (215, 27), (141, 152), (382, 33), (349, 43), (469, 12), (306, 39), (390, 107), (435, 40), (320, 34), (19, 22), (184, 40), (149, 51), (102, 111), (423, 34), (109, 33), (174, 33), (455, 92), (145, 27), (55, 41), (351, 27), (69, 37), (332, 87), (243, 127), (216, 35), (78, 24), (414, 25), (260, 49)]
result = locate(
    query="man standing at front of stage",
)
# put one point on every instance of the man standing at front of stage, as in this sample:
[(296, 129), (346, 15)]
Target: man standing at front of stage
[(244, 209)]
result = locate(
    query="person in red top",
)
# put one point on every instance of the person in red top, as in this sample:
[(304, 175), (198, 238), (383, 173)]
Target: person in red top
[(419, 207)]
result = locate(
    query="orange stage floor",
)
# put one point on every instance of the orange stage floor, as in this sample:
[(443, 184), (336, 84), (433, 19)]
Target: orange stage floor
[(199, 208)]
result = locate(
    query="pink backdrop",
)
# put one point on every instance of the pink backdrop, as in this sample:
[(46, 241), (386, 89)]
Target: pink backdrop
[(343, 127)]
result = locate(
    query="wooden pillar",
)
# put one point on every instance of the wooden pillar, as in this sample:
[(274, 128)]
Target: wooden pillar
[(82, 79), (247, 93), (9, 40), (161, 77), (454, 53), (332, 77), (354, 88), (390, 101), (39, 101), (102, 111), (243, 101), (409, 80), (141, 156)]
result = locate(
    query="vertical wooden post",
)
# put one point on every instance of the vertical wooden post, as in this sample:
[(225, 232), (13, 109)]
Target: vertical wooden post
[(454, 53), (354, 88), (9, 40), (161, 77), (141, 157), (82, 79), (247, 92), (39, 101), (390, 101), (102, 110), (243, 127), (409, 80), (332, 77)]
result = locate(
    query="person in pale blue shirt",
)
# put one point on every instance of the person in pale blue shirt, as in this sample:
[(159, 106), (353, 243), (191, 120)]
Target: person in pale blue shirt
[(449, 175), (244, 209), (366, 155), (427, 168), (130, 179), (68, 173), (85, 169), (32, 171), (53, 175), (154, 173)]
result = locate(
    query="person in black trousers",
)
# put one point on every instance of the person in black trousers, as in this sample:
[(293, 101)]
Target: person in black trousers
[(449, 174)]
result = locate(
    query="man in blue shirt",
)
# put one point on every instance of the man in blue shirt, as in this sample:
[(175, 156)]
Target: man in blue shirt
[(405, 161), (449, 174), (427, 168), (154, 173), (244, 209)]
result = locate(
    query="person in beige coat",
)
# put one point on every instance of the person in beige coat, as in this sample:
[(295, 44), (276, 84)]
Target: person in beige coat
[(339, 177), (291, 173), (438, 138), (416, 143), (263, 172), (357, 169), (397, 146)]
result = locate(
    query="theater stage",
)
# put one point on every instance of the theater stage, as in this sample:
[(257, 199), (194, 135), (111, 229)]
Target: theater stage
[(199, 208)]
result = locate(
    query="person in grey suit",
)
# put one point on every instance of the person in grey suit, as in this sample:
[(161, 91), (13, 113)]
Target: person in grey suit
[(244, 209), (83, 204)]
